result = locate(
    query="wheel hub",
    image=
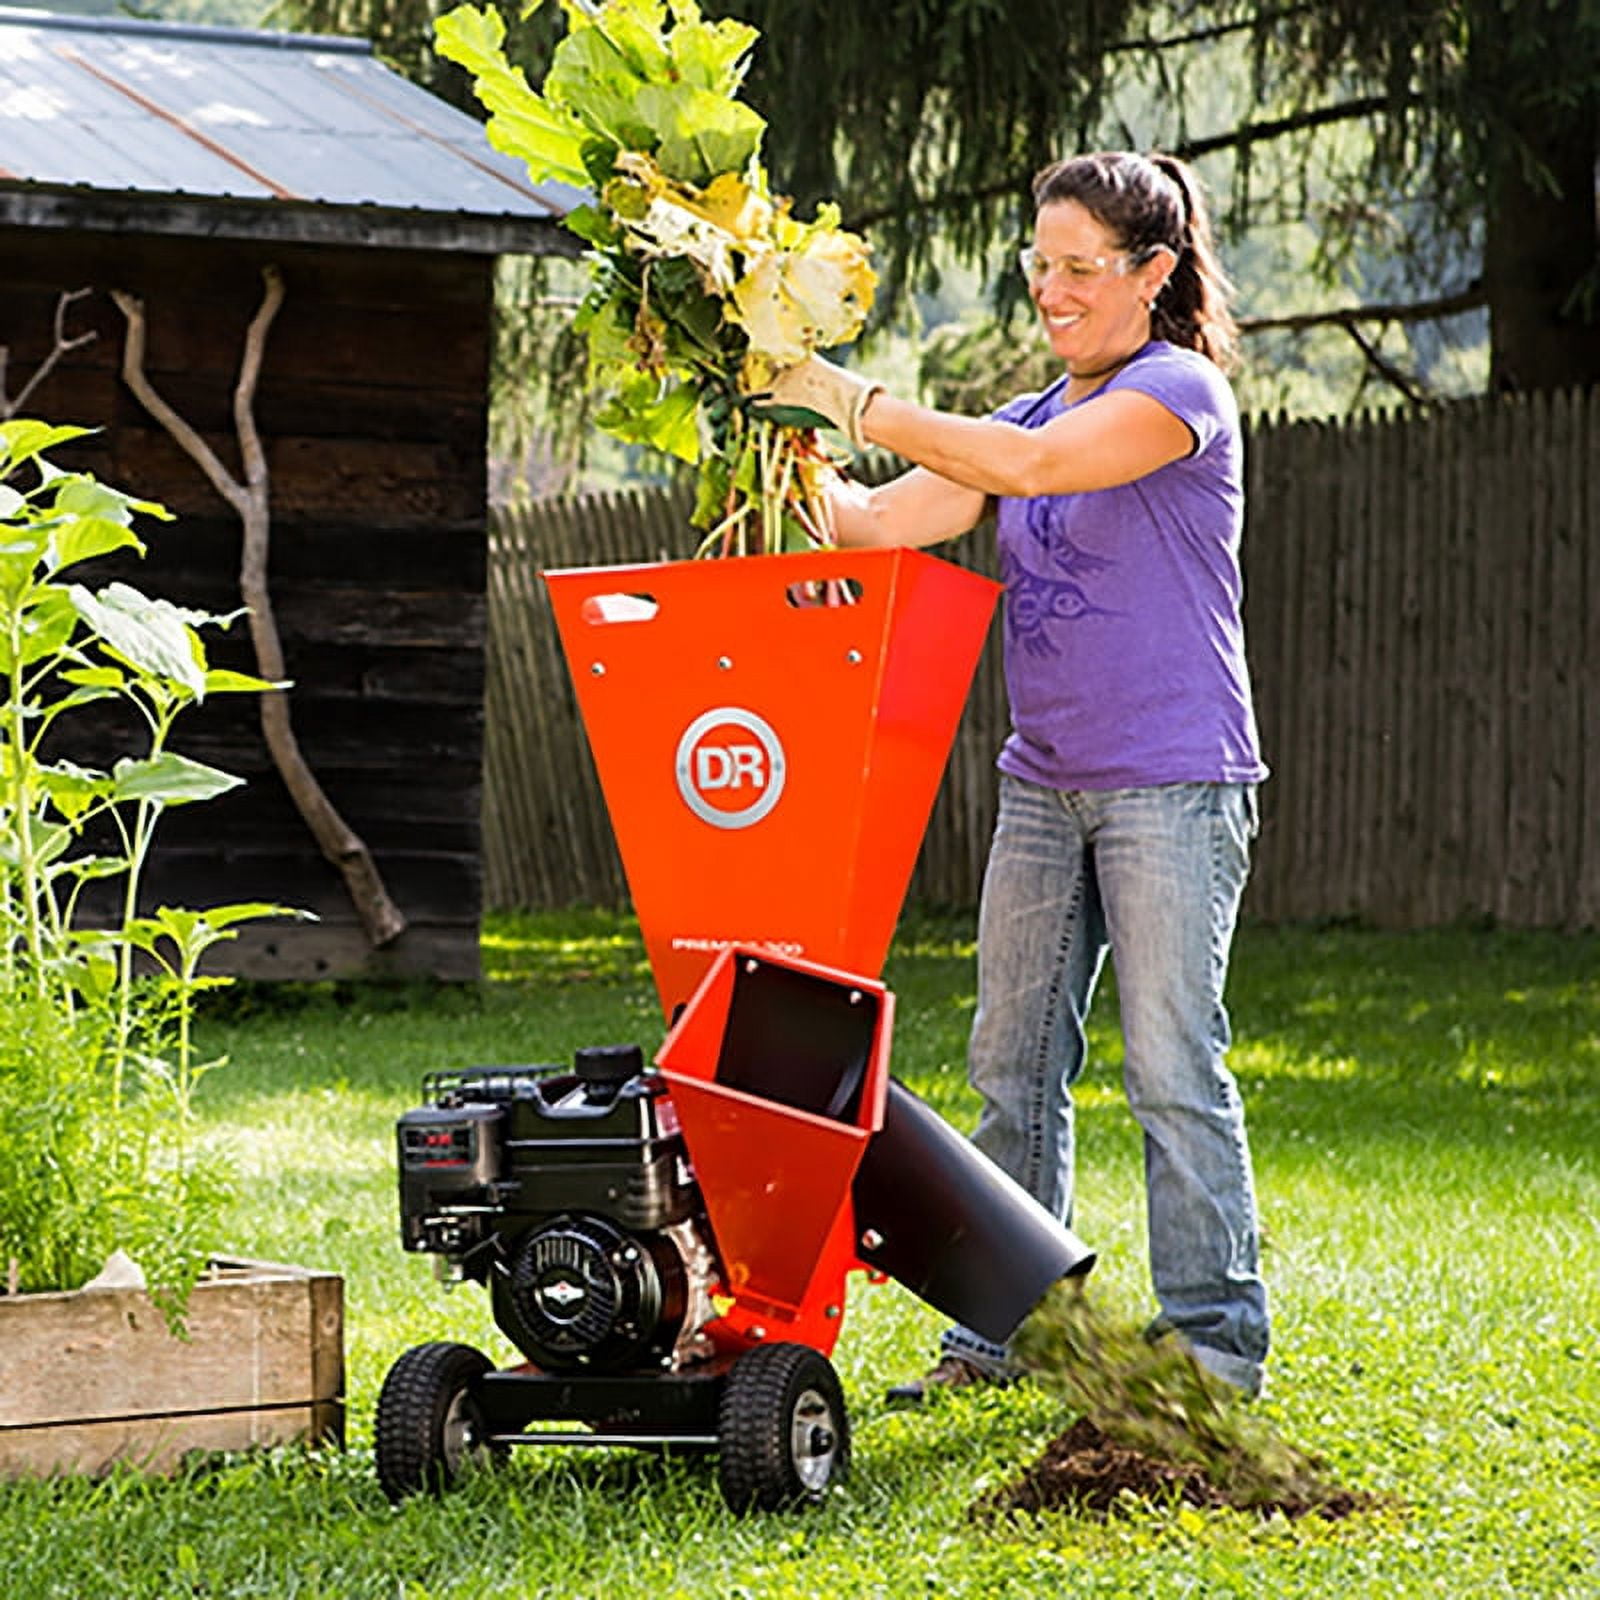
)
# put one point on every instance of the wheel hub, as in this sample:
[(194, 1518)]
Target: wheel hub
[(813, 1439)]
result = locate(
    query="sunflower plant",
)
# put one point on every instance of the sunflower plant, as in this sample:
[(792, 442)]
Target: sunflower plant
[(703, 284)]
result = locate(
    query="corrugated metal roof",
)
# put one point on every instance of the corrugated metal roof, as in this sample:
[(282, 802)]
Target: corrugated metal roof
[(133, 108)]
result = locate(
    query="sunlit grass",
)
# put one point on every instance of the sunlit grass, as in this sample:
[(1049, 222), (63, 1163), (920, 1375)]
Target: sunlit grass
[(1425, 1114)]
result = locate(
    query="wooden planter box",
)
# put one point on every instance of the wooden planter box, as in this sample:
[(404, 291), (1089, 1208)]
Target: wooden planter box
[(91, 1376)]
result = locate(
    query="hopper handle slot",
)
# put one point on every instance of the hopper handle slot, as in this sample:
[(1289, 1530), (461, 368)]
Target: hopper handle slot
[(602, 610)]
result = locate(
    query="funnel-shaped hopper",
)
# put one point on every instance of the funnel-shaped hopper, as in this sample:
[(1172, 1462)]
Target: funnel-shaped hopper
[(769, 759)]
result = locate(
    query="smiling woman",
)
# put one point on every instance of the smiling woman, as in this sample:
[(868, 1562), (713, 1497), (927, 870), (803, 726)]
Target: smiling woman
[(1127, 802)]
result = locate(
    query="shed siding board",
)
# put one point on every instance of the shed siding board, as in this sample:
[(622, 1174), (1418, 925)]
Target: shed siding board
[(373, 410)]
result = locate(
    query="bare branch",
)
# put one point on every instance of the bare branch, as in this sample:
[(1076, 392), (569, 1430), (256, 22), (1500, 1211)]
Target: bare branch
[(192, 445), (63, 345), (1386, 369), (244, 394), (339, 844)]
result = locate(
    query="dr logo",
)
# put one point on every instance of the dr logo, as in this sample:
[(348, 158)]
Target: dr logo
[(730, 767)]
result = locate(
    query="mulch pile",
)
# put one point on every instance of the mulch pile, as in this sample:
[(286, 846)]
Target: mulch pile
[(1084, 1470)]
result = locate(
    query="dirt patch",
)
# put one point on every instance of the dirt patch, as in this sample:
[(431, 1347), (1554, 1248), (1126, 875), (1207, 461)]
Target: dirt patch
[(1151, 1426), (1087, 1471)]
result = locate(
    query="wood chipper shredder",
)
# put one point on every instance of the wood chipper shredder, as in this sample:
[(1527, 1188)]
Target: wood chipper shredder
[(666, 1243)]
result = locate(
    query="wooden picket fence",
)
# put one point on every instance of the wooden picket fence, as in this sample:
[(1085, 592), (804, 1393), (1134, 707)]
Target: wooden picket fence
[(1423, 611)]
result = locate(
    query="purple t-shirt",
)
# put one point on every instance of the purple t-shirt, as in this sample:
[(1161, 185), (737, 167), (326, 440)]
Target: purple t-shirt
[(1124, 647)]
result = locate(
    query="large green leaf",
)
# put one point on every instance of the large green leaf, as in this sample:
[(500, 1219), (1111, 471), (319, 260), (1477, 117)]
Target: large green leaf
[(72, 789), (650, 413), (22, 547), (154, 636), (700, 133), (83, 538), (22, 440), (600, 84), (45, 627), (522, 123), (169, 779), (711, 55), (221, 681), (78, 495), (630, 30), (194, 931)]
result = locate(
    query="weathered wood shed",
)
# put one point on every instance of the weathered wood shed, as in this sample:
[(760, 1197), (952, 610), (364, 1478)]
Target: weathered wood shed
[(174, 172)]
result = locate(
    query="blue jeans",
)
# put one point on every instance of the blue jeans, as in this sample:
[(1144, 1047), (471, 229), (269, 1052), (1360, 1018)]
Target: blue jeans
[(1155, 876)]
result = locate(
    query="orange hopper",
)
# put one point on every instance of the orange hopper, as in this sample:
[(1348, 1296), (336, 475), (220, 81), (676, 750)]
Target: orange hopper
[(769, 760)]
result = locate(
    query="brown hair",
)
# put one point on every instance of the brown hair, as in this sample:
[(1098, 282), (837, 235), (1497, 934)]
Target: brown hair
[(1149, 201)]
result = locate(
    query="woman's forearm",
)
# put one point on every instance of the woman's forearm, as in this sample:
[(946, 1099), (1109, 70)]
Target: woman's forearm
[(918, 508), (1118, 438)]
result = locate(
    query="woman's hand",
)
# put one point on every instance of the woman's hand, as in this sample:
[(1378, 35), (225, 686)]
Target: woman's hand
[(839, 397)]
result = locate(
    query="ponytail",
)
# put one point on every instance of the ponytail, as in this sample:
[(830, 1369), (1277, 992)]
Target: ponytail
[(1192, 308)]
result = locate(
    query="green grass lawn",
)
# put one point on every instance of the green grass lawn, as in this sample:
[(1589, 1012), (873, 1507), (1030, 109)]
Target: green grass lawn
[(1425, 1111)]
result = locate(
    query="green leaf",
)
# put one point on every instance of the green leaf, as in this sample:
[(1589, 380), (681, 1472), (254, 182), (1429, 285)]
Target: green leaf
[(94, 867), (599, 85), (72, 789), (711, 55), (78, 495), (21, 551), (711, 493), (193, 932), (154, 636), (83, 538), (221, 681), (97, 677), (591, 225), (45, 628), (88, 536), (700, 133), (650, 415), (169, 779), (252, 910), (522, 123), (50, 841), (23, 439)]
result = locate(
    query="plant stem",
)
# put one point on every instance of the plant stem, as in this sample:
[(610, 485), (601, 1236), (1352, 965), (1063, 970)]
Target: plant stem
[(27, 862)]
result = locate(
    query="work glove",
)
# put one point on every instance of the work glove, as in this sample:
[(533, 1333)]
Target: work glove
[(824, 391)]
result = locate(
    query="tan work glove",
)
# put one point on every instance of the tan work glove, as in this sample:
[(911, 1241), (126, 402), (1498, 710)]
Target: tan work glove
[(818, 386)]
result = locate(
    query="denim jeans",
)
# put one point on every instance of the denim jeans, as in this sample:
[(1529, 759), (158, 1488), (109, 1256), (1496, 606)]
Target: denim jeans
[(1154, 876)]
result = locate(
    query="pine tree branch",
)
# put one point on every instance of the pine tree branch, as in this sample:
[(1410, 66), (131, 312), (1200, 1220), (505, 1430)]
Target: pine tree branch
[(1246, 134), (1249, 133), (1449, 305), (1219, 30)]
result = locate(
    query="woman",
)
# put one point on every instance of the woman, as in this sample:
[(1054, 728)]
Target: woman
[(1127, 799)]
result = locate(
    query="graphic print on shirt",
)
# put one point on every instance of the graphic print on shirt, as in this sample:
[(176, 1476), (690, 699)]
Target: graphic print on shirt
[(1035, 596)]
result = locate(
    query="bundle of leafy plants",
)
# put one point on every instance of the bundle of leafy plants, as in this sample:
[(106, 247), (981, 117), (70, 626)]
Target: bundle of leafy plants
[(97, 1062), (703, 284)]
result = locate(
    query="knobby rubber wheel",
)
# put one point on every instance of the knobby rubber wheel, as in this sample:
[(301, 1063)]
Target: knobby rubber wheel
[(782, 1429), (428, 1429)]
